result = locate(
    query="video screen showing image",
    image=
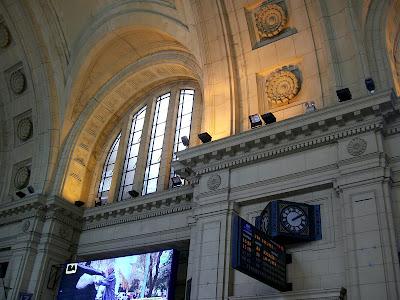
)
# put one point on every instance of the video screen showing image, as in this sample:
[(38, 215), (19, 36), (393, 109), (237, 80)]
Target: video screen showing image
[(144, 276)]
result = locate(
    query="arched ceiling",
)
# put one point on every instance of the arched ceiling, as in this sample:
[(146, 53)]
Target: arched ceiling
[(124, 49)]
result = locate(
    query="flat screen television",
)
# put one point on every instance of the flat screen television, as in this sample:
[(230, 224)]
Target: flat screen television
[(143, 276)]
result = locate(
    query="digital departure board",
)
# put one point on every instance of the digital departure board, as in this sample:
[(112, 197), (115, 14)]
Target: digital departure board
[(254, 254)]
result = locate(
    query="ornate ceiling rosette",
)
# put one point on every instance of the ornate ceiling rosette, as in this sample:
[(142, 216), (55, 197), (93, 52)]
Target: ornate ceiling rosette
[(270, 20), (281, 86)]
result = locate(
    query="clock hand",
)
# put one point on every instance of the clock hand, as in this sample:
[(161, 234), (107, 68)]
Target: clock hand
[(297, 217)]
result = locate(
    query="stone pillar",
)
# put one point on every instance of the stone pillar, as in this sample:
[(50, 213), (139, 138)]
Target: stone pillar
[(372, 265), (209, 255)]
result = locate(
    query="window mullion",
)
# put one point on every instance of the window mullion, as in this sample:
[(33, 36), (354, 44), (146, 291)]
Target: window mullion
[(144, 147), (119, 163), (168, 144)]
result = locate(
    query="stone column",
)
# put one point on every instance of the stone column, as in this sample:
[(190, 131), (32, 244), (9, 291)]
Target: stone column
[(209, 255), (372, 265)]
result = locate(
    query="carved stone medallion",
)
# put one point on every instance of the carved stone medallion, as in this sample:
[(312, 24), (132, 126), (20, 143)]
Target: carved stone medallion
[(213, 182), (357, 146), (26, 225), (24, 129), (270, 20), (5, 37), (21, 178), (17, 82), (282, 86)]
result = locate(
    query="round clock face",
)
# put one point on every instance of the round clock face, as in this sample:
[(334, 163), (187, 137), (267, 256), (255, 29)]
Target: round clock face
[(294, 219)]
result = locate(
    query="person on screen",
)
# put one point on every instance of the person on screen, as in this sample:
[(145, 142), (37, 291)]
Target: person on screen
[(81, 284), (109, 283)]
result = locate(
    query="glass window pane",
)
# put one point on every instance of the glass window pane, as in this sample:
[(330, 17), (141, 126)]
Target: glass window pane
[(158, 142), (154, 170), (160, 129), (152, 186), (129, 177), (183, 121), (108, 169), (156, 157), (134, 150), (131, 153), (186, 119), (188, 105), (132, 163)]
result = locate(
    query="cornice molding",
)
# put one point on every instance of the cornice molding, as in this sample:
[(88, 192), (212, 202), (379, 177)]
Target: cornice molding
[(293, 135), (153, 205)]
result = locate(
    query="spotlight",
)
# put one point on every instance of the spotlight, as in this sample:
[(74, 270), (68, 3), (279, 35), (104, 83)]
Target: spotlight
[(133, 193), (310, 107), (20, 194), (204, 137), (185, 140), (268, 118), (79, 203), (370, 85), (255, 121), (176, 181), (343, 94), (31, 190)]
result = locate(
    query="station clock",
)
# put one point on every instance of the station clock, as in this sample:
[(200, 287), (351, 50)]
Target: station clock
[(289, 222)]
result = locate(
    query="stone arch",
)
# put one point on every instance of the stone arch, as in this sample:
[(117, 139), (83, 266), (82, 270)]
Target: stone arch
[(130, 27), (114, 99), (375, 43), (30, 50)]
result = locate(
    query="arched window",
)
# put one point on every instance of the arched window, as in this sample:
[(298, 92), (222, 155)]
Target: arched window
[(108, 170), (150, 138)]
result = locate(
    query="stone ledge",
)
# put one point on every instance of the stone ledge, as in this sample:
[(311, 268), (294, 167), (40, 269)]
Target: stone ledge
[(298, 133), (165, 202), (321, 294)]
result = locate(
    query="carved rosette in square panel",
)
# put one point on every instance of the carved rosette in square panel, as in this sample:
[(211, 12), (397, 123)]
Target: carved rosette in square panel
[(5, 36), (23, 128), (21, 175), (16, 80), (282, 86), (268, 21)]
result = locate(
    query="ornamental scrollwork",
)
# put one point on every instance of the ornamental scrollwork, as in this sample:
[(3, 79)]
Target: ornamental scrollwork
[(24, 129), (21, 178), (17, 82), (5, 37)]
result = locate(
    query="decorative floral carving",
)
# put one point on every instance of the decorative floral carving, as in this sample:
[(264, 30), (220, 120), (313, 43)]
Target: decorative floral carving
[(5, 37), (357, 146), (270, 20), (17, 82), (282, 86), (21, 178), (24, 129), (213, 182), (26, 225)]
